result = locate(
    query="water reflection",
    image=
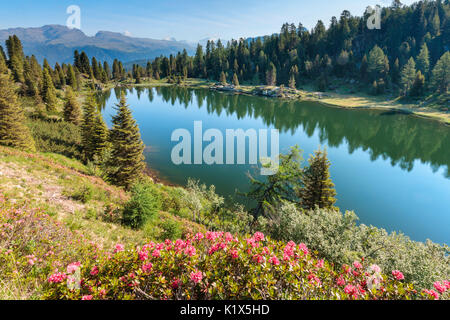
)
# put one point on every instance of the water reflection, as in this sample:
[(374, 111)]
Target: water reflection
[(401, 138)]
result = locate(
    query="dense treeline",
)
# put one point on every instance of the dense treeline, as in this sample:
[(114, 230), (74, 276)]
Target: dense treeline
[(408, 55), (65, 126)]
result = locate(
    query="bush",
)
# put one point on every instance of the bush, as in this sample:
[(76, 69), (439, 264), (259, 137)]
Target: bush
[(171, 230), (339, 239), (56, 137), (144, 204), (84, 194)]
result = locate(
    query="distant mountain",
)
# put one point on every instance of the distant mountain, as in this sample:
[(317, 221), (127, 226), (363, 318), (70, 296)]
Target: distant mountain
[(57, 43)]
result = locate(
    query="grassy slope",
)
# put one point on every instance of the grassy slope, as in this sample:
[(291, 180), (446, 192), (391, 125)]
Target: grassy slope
[(54, 183)]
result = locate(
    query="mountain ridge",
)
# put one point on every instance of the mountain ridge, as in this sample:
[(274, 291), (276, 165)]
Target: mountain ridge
[(57, 43)]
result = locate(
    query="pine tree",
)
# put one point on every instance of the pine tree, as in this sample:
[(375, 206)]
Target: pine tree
[(16, 57), (418, 85), (423, 60), (71, 77), (292, 84), (72, 110), (408, 76), (271, 75), (48, 91), (441, 73), (235, 80), (223, 78), (3, 66), (127, 147), (13, 130), (318, 189), (377, 64)]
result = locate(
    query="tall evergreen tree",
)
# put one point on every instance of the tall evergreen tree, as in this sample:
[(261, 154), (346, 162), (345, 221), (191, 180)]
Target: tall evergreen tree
[(408, 76), (13, 130), (441, 73), (48, 91), (127, 147), (72, 110), (423, 60), (318, 189)]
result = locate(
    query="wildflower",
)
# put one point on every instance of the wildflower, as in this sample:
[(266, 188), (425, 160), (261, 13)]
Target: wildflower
[(258, 236), (258, 258), (340, 281), (119, 248), (196, 277), (398, 275), (351, 290), (274, 260), (199, 236), (432, 293), (190, 251), (71, 268), (357, 265), (234, 254), (94, 271), (143, 255), (156, 253), (375, 268), (320, 263), (439, 287), (176, 283), (147, 267), (57, 277)]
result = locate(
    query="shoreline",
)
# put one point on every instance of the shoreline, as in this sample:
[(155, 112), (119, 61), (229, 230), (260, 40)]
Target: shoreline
[(329, 99)]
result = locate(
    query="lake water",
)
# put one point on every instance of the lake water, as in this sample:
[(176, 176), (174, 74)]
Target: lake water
[(391, 169)]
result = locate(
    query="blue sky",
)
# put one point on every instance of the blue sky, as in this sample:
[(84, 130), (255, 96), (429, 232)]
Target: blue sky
[(190, 20)]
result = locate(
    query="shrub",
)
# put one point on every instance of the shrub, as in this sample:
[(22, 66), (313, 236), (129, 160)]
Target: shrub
[(84, 194), (171, 230), (339, 239), (144, 204)]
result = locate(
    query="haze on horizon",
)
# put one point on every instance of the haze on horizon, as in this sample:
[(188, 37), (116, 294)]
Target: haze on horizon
[(191, 21)]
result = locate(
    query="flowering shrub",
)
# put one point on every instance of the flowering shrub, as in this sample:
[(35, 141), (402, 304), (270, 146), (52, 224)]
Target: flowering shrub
[(59, 264)]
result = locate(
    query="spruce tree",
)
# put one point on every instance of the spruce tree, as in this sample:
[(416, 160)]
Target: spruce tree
[(13, 130), (99, 138), (90, 108), (318, 189), (3, 66), (72, 110), (71, 77), (235, 80), (423, 60), (48, 91), (16, 57), (408, 76), (223, 78), (441, 73), (127, 157)]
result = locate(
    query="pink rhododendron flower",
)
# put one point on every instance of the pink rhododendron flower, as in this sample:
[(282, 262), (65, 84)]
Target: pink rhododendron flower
[(258, 258), (94, 271), (357, 265), (351, 290), (176, 283), (432, 293), (156, 253), (274, 260), (199, 236), (258, 236), (119, 248), (89, 297), (71, 268), (234, 254), (190, 251), (320, 263), (196, 277), (147, 267), (375, 268), (303, 248), (57, 277), (340, 281), (439, 287), (398, 275)]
